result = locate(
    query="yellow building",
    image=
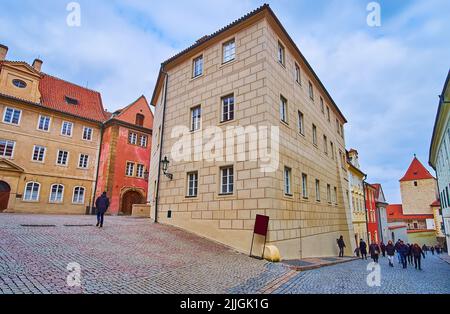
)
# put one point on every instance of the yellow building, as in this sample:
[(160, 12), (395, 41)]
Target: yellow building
[(358, 203), (50, 133), (251, 74)]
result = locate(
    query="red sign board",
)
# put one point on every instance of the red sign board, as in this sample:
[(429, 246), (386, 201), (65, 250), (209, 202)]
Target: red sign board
[(261, 225)]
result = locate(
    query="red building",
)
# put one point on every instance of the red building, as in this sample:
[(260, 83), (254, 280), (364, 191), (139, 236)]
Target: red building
[(371, 209), (125, 157)]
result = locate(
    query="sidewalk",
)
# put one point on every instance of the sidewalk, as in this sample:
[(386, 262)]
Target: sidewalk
[(316, 262), (445, 257)]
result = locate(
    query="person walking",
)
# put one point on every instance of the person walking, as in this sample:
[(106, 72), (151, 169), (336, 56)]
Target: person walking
[(432, 249), (341, 245), (417, 253), (425, 249), (383, 249), (363, 249), (374, 250), (390, 250), (410, 254), (404, 250), (397, 248), (102, 205)]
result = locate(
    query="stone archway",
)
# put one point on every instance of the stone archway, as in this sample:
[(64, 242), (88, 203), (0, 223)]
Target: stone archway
[(128, 199), (5, 191)]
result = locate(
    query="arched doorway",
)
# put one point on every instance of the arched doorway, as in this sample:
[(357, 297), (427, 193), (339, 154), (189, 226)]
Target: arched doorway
[(5, 190), (128, 199)]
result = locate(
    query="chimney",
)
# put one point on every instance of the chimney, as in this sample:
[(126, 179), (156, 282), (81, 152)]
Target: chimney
[(3, 52), (37, 64)]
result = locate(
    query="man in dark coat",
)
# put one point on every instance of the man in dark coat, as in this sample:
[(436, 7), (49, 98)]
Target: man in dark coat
[(374, 250), (102, 205), (363, 249), (417, 253), (432, 249), (404, 250), (397, 248), (425, 249), (410, 254), (341, 246), (390, 250), (383, 249)]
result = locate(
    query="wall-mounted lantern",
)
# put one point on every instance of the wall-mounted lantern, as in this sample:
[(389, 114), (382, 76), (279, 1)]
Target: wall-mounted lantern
[(165, 166)]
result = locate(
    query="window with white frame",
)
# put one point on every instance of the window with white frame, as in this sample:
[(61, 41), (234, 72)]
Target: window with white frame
[(227, 180), (283, 109), (143, 141), (78, 195), (297, 74), (314, 134), (56, 193), (198, 66), (196, 118), (132, 138), (83, 161), (140, 170), (7, 148), (44, 123), (304, 185), (87, 133), (38, 153), (281, 54), (311, 90), (12, 116), (228, 108), (31, 192), (287, 181), (301, 127), (129, 172), (317, 190), (66, 128), (62, 158), (192, 184), (229, 51)]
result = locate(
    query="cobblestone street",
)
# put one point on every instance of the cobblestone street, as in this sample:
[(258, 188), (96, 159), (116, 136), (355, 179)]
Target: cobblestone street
[(135, 256)]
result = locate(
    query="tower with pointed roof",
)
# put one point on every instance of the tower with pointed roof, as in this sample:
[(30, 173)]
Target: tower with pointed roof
[(418, 189)]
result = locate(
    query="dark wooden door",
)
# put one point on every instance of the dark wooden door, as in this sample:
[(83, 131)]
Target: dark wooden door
[(4, 195), (128, 199)]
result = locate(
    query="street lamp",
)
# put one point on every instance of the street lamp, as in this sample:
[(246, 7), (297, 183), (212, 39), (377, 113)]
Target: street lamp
[(165, 165)]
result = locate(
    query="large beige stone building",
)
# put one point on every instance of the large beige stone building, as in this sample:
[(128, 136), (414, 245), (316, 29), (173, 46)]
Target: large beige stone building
[(251, 73), (50, 134)]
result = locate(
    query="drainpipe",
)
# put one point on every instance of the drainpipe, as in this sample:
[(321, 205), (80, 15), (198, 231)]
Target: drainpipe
[(365, 206), (98, 169), (166, 80)]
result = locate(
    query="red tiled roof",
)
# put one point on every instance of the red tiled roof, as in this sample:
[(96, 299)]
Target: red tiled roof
[(436, 203), (395, 212), (416, 171), (54, 92)]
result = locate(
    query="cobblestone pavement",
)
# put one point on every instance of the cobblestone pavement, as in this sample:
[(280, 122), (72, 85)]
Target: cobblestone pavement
[(135, 256)]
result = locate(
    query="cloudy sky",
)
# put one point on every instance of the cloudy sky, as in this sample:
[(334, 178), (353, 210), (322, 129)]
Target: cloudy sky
[(385, 79)]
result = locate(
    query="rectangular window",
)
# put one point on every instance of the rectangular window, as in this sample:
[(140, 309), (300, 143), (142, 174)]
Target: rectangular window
[(192, 184), (314, 134), (325, 145), (281, 54), (44, 123), (62, 158), (78, 195), (287, 181), (143, 141), (196, 118), (32, 190), (342, 131), (132, 138), (317, 190), (229, 51), (329, 193), (332, 150), (311, 90), (129, 169), (297, 74), (12, 116), (304, 185), (335, 195), (140, 169), (227, 108), (7, 148), (322, 106), (328, 114), (87, 133), (38, 153), (198, 66), (227, 180), (83, 162), (66, 128), (56, 193), (301, 124), (337, 127), (283, 109)]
